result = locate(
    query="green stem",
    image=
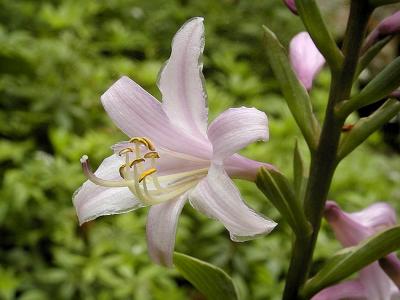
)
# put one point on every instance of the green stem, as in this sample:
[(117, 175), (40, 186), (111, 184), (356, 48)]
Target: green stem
[(323, 160)]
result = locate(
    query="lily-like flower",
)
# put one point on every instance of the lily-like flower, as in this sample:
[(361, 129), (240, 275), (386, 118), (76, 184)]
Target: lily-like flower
[(305, 58), (388, 26), (172, 156), (291, 4), (350, 229)]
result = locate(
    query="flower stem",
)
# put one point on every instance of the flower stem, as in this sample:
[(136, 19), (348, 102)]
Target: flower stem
[(323, 160)]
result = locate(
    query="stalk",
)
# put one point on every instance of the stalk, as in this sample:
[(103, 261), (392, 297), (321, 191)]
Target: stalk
[(323, 160)]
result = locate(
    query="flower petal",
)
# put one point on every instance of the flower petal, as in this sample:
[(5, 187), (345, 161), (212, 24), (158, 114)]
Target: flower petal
[(305, 58), (241, 167), (378, 215), (234, 129), (92, 201), (181, 80), (137, 113), (170, 162), (376, 283), (218, 197), (161, 230), (350, 290), (347, 229)]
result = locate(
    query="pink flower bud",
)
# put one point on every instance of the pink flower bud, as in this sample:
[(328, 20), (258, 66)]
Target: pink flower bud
[(291, 5), (389, 26), (305, 58)]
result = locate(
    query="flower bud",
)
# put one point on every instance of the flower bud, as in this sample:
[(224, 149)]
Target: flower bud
[(388, 26), (291, 5), (305, 58)]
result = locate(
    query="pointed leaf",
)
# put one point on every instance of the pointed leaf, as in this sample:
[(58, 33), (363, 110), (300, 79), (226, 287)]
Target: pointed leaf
[(210, 280), (353, 259), (316, 27), (366, 126), (278, 190), (294, 92), (378, 88)]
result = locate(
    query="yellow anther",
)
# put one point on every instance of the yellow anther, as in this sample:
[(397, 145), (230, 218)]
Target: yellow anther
[(136, 161), (152, 154), (139, 140), (121, 168), (149, 144), (147, 173), (125, 150)]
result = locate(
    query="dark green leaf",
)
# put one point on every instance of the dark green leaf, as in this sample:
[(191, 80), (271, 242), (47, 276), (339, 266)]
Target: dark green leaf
[(294, 92), (353, 259), (379, 87), (366, 126), (210, 280), (313, 21), (281, 194)]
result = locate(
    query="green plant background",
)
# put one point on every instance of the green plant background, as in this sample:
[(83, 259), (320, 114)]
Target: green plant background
[(56, 59)]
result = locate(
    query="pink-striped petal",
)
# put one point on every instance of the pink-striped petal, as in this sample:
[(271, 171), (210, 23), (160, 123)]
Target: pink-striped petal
[(137, 113), (181, 80), (92, 201), (218, 197), (305, 58), (347, 229), (234, 129), (241, 167), (161, 230), (376, 283), (170, 162), (378, 215), (349, 290)]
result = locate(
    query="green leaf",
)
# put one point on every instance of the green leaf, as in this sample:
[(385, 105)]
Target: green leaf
[(316, 27), (370, 54), (294, 92), (353, 259), (366, 126), (299, 173), (378, 88), (210, 280), (278, 190)]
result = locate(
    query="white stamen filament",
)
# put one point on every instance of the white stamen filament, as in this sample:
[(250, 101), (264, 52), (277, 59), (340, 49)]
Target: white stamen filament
[(136, 179)]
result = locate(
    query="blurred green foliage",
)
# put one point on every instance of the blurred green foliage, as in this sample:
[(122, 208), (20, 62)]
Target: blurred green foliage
[(56, 59)]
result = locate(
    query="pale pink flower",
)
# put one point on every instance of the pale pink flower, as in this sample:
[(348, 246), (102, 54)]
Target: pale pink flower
[(172, 155), (388, 26), (305, 58), (350, 229)]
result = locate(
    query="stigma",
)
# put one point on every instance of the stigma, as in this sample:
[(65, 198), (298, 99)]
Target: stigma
[(138, 172)]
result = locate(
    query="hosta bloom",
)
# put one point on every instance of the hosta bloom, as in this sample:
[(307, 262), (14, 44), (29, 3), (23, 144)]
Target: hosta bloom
[(305, 58), (172, 156), (350, 229), (388, 26)]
